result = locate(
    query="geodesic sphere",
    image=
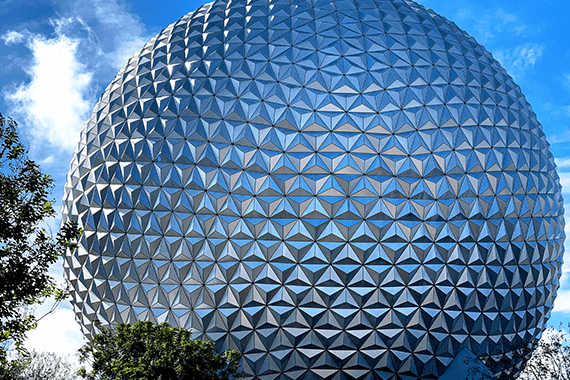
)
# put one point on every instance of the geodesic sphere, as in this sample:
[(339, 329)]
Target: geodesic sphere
[(340, 189)]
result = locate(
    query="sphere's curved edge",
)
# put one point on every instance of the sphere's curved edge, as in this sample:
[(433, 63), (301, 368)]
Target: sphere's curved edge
[(329, 187)]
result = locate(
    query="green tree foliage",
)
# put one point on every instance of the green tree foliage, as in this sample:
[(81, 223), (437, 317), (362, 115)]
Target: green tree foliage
[(9, 369), (26, 250), (144, 350)]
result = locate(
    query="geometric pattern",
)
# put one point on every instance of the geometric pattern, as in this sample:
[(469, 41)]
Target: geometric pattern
[(339, 189)]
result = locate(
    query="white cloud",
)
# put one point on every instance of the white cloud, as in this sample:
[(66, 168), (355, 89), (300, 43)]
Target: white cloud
[(565, 181), (56, 332), (68, 68), (129, 34), (521, 59), (564, 285), (48, 160), (562, 302), (13, 37), (562, 137), (486, 25), (562, 162), (56, 101)]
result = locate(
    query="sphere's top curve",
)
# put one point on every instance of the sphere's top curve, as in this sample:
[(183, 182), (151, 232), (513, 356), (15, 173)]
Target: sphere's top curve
[(319, 184), (406, 46)]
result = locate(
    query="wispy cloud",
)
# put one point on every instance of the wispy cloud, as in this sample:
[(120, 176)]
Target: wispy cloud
[(562, 302), (565, 182), (567, 79), (521, 59), (563, 162), (561, 137), (13, 37), (129, 34), (487, 25)]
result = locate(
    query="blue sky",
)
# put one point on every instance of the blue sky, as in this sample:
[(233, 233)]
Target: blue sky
[(56, 58)]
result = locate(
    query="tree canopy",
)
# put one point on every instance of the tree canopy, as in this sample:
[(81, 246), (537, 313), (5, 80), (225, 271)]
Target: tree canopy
[(42, 366), (26, 249), (144, 350), (551, 356)]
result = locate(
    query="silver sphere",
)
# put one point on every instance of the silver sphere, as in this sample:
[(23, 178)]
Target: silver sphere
[(339, 189)]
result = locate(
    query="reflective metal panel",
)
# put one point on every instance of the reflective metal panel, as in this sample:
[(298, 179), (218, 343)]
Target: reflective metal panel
[(337, 188)]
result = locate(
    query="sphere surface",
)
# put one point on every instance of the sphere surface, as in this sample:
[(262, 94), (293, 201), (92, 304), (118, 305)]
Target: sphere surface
[(336, 188)]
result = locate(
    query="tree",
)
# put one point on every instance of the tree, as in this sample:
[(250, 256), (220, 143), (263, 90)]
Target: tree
[(26, 250), (506, 366), (551, 358), (544, 359), (144, 350), (9, 369), (43, 366)]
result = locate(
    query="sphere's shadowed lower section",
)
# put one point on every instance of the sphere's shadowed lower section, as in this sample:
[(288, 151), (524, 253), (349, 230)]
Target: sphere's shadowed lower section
[(338, 189)]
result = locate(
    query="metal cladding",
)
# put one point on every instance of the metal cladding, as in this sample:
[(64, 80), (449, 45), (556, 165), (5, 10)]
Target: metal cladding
[(339, 189)]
